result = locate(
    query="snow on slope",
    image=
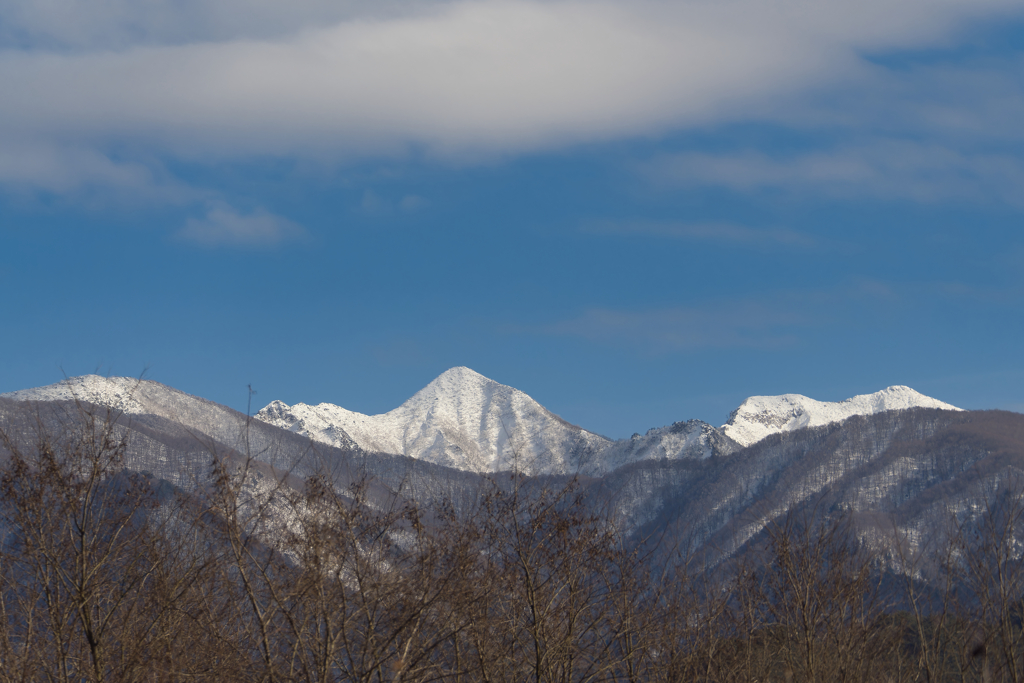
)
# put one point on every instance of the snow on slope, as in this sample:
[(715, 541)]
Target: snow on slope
[(461, 419), (760, 416), (118, 393), (467, 421), (457, 420), (145, 397), (691, 439)]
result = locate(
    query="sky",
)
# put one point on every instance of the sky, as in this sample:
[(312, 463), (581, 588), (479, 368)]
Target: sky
[(636, 212)]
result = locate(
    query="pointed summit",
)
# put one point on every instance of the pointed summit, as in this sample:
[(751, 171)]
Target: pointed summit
[(461, 419), (454, 383), (460, 374), (760, 416)]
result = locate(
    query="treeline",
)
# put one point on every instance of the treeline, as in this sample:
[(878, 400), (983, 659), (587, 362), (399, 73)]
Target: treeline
[(112, 575)]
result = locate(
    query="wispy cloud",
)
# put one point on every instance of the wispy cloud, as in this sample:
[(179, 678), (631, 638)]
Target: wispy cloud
[(939, 133), (412, 202), (224, 226), (398, 352), (892, 169), (88, 173), (740, 325), (770, 320), (966, 101), (373, 204), (728, 233)]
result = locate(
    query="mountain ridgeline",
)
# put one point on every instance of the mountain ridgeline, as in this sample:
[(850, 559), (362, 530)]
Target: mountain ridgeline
[(466, 421), (896, 452), (471, 534)]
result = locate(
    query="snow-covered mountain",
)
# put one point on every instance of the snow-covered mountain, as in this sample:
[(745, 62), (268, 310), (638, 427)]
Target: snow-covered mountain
[(467, 421), (693, 439), (761, 416), (120, 393), (900, 470), (138, 398), (461, 419)]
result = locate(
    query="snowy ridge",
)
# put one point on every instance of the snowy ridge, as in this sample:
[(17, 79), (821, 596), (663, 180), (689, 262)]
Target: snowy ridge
[(761, 416), (693, 439), (118, 393), (138, 397), (467, 421), (461, 419)]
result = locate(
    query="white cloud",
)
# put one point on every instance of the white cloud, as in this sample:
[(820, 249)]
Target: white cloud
[(225, 226), (116, 24), (462, 78)]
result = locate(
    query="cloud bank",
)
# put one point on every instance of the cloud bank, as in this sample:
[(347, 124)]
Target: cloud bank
[(453, 78)]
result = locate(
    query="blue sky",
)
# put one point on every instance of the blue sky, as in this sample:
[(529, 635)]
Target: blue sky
[(636, 212)]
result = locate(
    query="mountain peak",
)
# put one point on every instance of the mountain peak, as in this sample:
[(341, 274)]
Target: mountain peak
[(760, 416), (467, 421), (460, 373), (456, 380), (461, 419)]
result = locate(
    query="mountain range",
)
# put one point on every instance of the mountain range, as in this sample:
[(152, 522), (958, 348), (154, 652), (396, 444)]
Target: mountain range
[(467, 421), (900, 460)]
